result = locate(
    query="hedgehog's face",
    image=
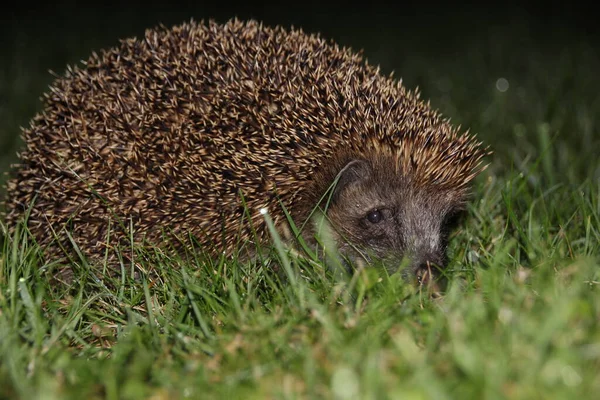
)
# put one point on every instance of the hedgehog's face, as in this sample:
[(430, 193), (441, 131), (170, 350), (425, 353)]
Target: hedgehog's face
[(381, 215)]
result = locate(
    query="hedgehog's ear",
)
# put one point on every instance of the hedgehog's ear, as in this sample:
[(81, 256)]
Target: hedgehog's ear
[(354, 171)]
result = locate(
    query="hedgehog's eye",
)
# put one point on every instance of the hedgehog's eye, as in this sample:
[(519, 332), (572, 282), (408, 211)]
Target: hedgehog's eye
[(375, 216)]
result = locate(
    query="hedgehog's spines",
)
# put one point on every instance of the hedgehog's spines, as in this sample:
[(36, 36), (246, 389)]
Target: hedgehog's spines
[(169, 127)]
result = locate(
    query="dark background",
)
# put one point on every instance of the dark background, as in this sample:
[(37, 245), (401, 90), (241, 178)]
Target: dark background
[(453, 52), (444, 20), (350, 23), (58, 30)]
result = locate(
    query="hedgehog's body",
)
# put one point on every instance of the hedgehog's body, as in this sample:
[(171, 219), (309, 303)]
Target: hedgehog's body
[(163, 133)]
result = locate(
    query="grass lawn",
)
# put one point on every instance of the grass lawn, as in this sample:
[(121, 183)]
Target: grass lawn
[(520, 318)]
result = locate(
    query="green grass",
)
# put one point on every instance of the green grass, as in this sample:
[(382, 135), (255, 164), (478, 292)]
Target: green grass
[(520, 318)]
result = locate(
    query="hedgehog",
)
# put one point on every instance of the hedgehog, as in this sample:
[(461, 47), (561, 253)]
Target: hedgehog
[(196, 129)]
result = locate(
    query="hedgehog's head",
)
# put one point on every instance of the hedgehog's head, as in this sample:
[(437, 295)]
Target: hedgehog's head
[(383, 210)]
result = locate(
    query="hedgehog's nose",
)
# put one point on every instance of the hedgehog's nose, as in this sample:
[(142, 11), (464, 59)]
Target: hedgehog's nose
[(426, 276), (427, 271)]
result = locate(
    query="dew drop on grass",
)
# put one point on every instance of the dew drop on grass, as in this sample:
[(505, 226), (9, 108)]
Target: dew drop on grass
[(502, 85)]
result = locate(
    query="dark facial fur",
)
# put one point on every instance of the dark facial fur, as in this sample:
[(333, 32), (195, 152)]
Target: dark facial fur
[(379, 213)]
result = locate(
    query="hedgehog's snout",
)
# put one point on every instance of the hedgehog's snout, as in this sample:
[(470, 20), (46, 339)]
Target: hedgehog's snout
[(429, 265), (421, 231), (417, 261)]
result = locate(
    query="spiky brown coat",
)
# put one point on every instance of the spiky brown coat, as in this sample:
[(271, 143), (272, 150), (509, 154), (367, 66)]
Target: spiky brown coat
[(164, 132)]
